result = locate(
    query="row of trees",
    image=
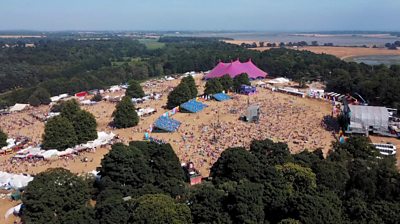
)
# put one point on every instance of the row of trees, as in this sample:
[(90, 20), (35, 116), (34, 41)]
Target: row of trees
[(143, 182), (72, 127), (185, 91), (226, 83), (3, 139), (57, 66)]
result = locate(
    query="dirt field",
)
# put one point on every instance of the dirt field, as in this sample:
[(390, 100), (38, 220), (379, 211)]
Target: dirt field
[(340, 52), (297, 121)]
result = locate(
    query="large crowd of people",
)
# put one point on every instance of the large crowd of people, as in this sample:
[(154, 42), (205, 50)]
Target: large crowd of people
[(202, 136)]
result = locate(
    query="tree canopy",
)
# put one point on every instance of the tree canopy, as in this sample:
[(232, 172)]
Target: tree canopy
[(83, 127), (159, 209), (242, 79), (213, 86), (3, 139), (226, 82), (189, 80), (134, 90), (125, 115), (59, 133), (179, 95), (57, 196)]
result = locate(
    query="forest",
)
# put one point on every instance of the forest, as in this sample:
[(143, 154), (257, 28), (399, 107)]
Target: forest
[(70, 65), (143, 183)]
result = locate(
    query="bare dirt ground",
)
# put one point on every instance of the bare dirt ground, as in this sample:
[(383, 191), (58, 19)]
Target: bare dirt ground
[(294, 120), (297, 121), (340, 52)]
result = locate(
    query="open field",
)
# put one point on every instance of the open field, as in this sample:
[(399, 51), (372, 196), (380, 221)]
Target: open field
[(340, 52), (152, 44), (20, 36), (294, 120)]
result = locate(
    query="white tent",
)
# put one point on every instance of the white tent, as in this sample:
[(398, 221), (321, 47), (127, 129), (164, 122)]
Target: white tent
[(14, 181), (369, 116), (88, 102), (279, 81), (114, 88), (13, 210), (49, 153), (18, 107), (10, 143)]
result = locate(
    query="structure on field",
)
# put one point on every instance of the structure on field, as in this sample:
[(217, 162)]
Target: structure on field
[(221, 97), (252, 113), (236, 68), (367, 119), (167, 124), (192, 106)]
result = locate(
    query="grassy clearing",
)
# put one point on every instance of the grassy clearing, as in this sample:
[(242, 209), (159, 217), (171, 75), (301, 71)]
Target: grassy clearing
[(152, 44)]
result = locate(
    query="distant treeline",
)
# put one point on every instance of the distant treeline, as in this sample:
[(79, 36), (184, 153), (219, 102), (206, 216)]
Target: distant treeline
[(175, 39), (70, 66)]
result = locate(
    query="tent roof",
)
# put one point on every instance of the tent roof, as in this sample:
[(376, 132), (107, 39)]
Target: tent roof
[(378, 117), (193, 106), (18, 107), (167, 124), (236, 68), (221, 97)]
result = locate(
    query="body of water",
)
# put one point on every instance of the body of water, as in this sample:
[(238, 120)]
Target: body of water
[(377, 59), (336, 39)]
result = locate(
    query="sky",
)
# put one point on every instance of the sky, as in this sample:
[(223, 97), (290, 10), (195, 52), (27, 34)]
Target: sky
[(210, 15)]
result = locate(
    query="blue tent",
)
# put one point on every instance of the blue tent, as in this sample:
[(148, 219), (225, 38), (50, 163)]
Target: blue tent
[(167, 124), (221, 97), (193, 106)]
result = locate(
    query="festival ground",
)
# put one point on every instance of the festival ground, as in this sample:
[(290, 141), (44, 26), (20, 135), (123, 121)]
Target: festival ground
[(294, 120), (297, 121)]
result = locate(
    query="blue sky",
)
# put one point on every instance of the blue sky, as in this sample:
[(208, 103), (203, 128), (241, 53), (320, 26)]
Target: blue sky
[(265, 15)]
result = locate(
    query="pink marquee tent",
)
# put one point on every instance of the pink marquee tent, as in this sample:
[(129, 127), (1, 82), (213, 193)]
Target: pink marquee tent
[(236, 68)]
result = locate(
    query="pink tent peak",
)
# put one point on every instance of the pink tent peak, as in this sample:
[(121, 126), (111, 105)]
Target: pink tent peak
[(236, 68)]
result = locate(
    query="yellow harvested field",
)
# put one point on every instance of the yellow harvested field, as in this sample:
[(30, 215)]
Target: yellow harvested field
[(340, 52)]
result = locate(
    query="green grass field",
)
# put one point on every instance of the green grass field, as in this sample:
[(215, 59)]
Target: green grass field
[(152, 44)]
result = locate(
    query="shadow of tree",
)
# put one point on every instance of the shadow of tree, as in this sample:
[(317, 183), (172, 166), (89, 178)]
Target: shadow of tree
[(330, 123)]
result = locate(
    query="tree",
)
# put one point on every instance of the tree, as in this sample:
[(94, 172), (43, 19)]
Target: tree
[(59, 133), (159, 208), (56, 196), (126, 166), (134, 90), (323, 207), (70, 109), (125, 115), (245, 203), (236, 164), (298, 178), (111, 208), (3, 139), (97, 97), (34, 101), (213, 86), (207, 205), (226, 82), (43, 95), (189, 80), (332, 175), (179, 95), (85, 126), (242, 79), (270, 152), (39, 96)]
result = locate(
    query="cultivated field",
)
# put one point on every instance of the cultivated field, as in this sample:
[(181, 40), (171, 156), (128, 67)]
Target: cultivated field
[(340, 52)]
